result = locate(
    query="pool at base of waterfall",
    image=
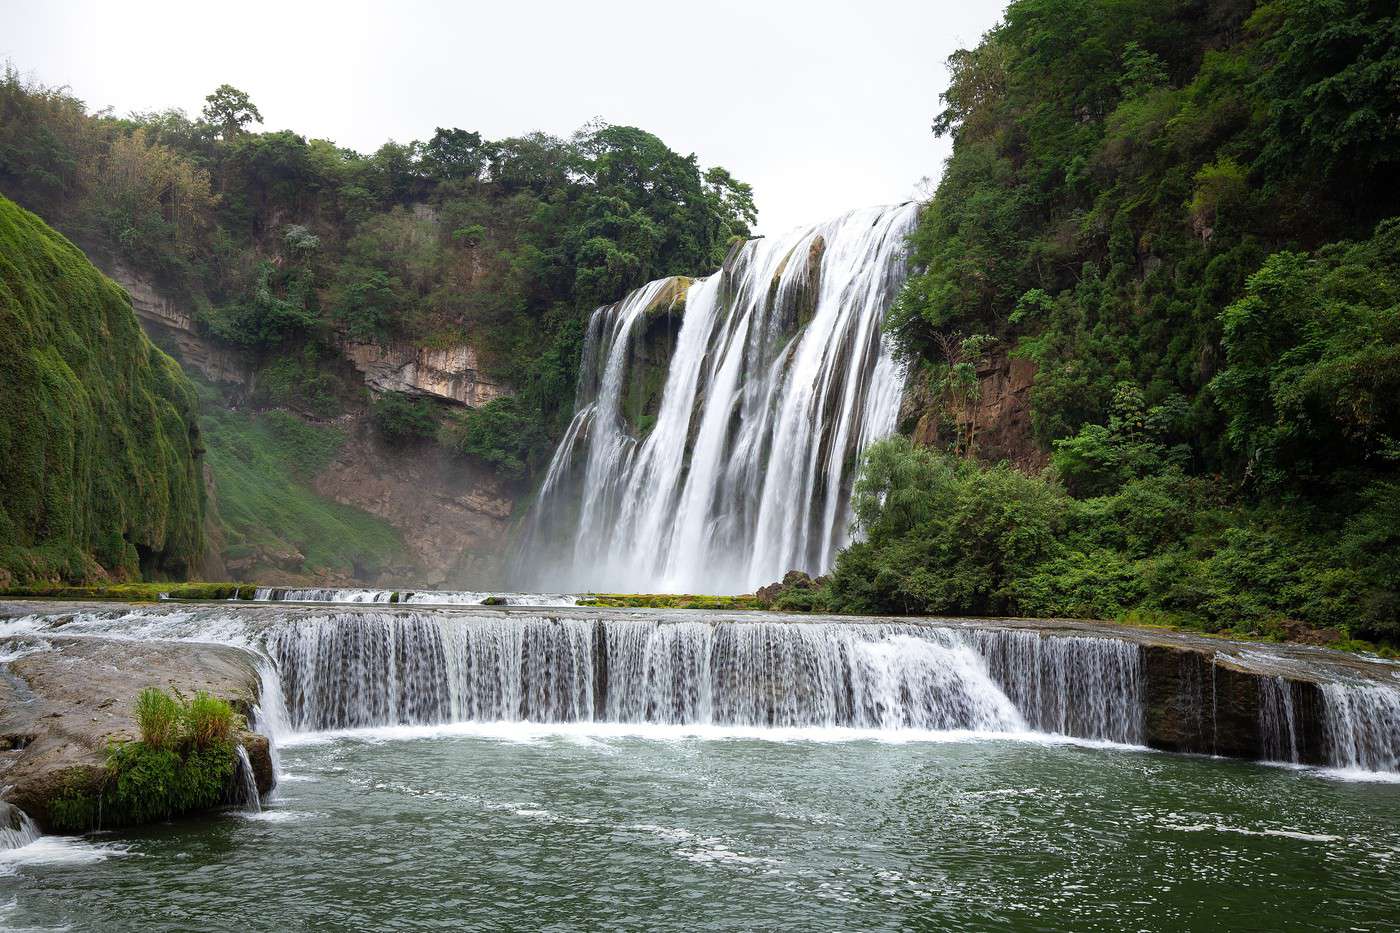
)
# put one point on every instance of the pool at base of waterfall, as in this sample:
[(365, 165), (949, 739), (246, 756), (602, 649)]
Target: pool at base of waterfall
[(517, 826)]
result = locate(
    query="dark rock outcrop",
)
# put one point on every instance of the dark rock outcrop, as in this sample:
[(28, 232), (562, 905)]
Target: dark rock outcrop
[(998, 421)]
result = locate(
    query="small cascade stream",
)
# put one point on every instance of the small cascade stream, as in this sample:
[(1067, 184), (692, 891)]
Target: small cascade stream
[(16, 828), (246, 784)]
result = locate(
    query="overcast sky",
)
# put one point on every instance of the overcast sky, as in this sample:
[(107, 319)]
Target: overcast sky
[(820, 106)]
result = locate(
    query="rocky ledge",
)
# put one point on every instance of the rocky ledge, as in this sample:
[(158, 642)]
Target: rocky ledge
[(63, 700)]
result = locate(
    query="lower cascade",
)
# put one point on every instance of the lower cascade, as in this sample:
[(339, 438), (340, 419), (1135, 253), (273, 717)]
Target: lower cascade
[(367, 669), (344, 668)]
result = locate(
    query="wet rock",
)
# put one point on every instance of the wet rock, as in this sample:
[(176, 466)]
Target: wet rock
[(63, 704)]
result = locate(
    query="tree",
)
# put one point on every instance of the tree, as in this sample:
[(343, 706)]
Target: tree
[(230, 110), (454, 155)]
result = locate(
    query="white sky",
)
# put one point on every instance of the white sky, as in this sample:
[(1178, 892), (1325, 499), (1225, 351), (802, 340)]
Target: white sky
[(820, 106)]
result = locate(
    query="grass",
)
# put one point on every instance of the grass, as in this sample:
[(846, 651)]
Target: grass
[(184, 761), (134, 592), (263, 465)]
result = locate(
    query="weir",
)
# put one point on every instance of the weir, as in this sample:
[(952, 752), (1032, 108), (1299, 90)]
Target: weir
[(351, 667), (716, 456)]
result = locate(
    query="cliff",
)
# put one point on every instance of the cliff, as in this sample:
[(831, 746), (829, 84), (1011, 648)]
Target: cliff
[(101, 470), (997, 418), (334, 504)]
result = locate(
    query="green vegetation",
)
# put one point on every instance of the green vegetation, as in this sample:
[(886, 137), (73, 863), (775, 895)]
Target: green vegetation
[(100, 472), (136, 592), (400, 417), (183, 761), (271, 517), (285, 246), (1184, 213)]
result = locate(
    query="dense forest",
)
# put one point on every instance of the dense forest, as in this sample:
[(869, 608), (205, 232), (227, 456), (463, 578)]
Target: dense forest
[(282, 249), (1185, 214), (280, 243)]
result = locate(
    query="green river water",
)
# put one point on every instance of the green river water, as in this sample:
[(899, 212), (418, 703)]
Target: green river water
[(518, 827)]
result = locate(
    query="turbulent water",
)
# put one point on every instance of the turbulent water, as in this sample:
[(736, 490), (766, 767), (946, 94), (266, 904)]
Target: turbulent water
[(780, 374), (335, 669), (500, 768), (525, 827)]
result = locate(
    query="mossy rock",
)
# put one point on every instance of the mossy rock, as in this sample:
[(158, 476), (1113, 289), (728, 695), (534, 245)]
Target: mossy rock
[(651, 351), (101, 472)]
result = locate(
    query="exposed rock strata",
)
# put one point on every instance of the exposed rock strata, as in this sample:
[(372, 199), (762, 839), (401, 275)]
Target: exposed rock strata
[(452, 373), (172, 327), (454, 515), (60, 707), (999, 420)]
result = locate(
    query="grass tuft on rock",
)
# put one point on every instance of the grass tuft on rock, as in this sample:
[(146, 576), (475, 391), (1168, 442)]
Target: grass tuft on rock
[(183, 762)]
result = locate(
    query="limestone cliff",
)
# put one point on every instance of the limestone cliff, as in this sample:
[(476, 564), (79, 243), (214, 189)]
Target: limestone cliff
[(449, 373)]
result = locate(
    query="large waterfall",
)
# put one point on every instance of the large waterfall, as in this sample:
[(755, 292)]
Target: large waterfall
[(716, 455)]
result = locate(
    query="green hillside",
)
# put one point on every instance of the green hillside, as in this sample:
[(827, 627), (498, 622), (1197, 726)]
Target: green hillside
[(100, 473)]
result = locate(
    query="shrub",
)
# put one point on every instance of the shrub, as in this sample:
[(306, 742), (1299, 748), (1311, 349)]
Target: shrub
[(400, 417), (208, 720), (503, 432), (158, 716)]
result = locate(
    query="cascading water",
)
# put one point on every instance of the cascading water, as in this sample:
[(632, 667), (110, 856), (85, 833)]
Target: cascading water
[(408, 597), (1361, 725), (16, 828), (779, 376), (246, 784), (367, 669)]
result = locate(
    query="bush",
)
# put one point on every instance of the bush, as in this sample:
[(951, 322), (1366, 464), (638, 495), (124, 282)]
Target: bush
[(401, 417), (209, 721), (944, 535), (184, 760), (503, 432)]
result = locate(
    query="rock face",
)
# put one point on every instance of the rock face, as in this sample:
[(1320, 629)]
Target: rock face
[(1218, 697), (452, 373), (650, 355), (61, 705), (454, 515), (1000, 419), (172, 328)]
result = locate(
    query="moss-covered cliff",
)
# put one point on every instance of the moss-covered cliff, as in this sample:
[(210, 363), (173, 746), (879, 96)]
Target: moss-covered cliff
[(99, 448)]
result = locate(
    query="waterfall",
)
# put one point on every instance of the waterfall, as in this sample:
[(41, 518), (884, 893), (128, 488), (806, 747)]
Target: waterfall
[(1278, 727), (335, 668), (739, 466), (1361, 725), (370, 669), (409, 597), (246, 784), (16, 828), (1069, 684)]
